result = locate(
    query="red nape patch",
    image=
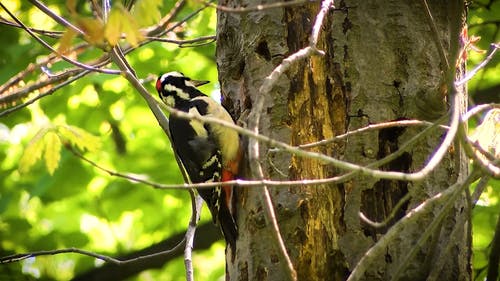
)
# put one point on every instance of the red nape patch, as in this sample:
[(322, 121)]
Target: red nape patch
[(158, 85)]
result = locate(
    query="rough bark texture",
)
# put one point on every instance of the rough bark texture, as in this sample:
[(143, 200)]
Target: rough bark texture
[(382, 63)]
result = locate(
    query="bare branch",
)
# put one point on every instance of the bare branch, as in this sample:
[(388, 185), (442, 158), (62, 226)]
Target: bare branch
[(20, 257), (478, 109), (371, 127), (472, 73), (55, 17), (196, 204), (480, 157), (435, 34), (446, 197), (328, 159), (50, 33), (320, 17), (390, 217), (259, 7), (480, 186), (196, 42), (46, 45), (48, 92), (51, 58), (161, 28)]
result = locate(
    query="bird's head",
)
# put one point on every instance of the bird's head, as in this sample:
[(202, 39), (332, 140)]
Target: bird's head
[(175, 88)]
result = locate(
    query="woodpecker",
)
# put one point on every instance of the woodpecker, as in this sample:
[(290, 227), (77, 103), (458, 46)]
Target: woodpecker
[(208, 152)]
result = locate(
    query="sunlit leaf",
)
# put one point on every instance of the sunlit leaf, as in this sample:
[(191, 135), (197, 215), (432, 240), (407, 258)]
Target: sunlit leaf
[(147, 12), (71, 5), (79, 137), (65, 41), (93, 29), (114, 26), (52, 151), (120, 22), (33, 151), (487, 134), (131, 31)]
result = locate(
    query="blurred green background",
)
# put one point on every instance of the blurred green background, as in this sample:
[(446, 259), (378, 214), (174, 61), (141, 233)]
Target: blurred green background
[(73, 204)]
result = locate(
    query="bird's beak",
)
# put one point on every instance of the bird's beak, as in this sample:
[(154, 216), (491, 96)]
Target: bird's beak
[(198, 83)]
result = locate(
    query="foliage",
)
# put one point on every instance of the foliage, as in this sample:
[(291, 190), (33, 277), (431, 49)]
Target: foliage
[(483, 22), (50, 198)]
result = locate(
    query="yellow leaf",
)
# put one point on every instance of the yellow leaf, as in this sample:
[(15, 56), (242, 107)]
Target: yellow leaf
[(114, 27), (32, 152), (147, 12), (132, 32), (93, 29), (71, 5), (120, 21), (65, 41), (52, 151), (79, 137)]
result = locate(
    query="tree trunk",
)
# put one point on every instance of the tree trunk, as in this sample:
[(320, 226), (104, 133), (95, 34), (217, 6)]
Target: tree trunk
[(382, 63)]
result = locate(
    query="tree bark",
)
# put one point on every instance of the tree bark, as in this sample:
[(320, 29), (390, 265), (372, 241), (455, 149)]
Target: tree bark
[(384, 61)]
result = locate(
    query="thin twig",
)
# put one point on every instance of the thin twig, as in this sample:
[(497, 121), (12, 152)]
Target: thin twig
[(259, 7), (46, 45), (436, 223), (326, 5), (380, 248), (250, 183), (49, 59), (161, 27), (435, 34), (473, 72), (478, 109), (48, 92), (451, 243), (196, 204), (254, 116), (371, 127), (49, 33), (484, 159), (23, 256), (196, 41), (55, 17), (437, 157), (478, 190), (389, 218)]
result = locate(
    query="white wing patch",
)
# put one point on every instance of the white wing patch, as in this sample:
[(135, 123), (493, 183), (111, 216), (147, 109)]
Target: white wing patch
[(228, 139), (210, 162), (169, 100), (197, 126)]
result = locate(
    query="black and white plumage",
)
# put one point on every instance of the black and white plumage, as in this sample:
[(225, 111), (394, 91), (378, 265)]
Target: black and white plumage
[(208, 152)]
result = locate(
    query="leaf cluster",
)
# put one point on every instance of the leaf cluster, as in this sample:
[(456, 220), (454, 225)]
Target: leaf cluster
[(50, 198)]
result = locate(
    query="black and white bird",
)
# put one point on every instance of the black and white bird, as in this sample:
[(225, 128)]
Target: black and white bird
[(208, 152)]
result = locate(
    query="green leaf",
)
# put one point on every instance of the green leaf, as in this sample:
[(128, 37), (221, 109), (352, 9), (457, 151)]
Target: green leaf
[(79, 137), (147, 12), (121, 21), (52, 151), (65, 41), (114, 27), (33, 152), (131, 30), (93, 29)]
